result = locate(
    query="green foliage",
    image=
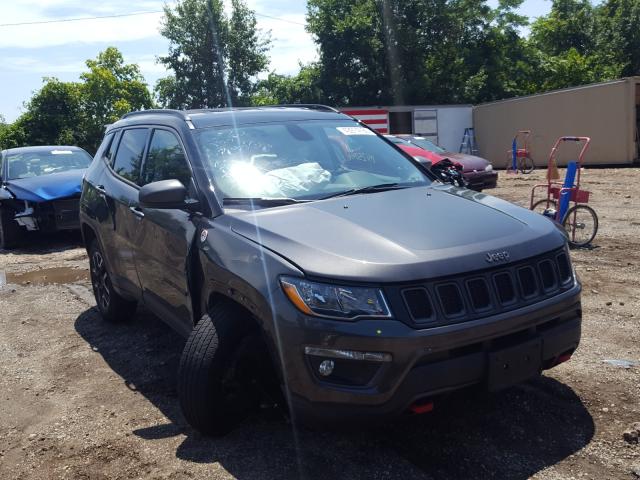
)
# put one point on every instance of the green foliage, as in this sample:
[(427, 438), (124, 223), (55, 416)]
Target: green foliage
[(418, 51), (619, 35), (110, 89), (214, 58), (76, 113), (282, 89)]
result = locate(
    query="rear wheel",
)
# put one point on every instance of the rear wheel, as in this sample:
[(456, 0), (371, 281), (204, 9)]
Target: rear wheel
[(581, 224), (10, 231), (112, 305), (526, 165), (221, 371)]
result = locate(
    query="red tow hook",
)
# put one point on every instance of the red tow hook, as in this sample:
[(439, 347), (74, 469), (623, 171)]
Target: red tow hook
[(419, 408)]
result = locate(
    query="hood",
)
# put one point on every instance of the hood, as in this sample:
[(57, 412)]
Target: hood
[(469, 162), (398, 235), (47, 187)]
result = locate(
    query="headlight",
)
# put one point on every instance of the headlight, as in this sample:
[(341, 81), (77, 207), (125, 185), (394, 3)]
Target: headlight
[(336, 301), (488, 168)]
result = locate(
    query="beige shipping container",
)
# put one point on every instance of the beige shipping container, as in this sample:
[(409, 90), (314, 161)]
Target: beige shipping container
[(606, 112)]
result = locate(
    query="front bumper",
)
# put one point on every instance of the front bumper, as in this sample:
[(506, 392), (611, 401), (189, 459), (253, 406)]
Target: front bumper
[(425, 363), (481, 180), (55, 215)]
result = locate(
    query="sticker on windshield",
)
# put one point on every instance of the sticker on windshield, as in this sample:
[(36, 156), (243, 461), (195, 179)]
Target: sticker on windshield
[(354, 131), (61, 152)]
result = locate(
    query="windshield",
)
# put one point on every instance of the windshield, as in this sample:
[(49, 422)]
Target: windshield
[(35, 164), (302, 160), (427, 145)]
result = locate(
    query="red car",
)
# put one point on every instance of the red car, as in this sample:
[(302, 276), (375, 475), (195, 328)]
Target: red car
[(415, 151), (476, 170)]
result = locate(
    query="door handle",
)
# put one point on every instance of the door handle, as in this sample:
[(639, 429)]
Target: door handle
[(137, 212), (101, 190)]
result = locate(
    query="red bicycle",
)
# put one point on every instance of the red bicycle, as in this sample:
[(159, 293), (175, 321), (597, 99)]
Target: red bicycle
[(579, 220), (519, 159)]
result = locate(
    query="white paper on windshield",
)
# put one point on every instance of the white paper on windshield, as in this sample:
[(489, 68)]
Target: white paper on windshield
[(354, 131), (299, 178), (61, 152)]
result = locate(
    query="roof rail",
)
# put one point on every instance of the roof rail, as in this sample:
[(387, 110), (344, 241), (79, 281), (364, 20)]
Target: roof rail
[(310, 106), (163, 111)]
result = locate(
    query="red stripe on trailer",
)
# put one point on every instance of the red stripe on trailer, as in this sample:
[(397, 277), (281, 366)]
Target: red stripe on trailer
[(375, 121), (364, 112)]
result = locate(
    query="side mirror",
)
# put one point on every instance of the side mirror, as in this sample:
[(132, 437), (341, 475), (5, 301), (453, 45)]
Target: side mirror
[(163, 194), (425, 162)]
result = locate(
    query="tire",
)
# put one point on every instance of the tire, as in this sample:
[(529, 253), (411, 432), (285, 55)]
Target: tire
[(112, 306), (581, 224), (10, 231), (526, 165), (541, 205), (219, 370)]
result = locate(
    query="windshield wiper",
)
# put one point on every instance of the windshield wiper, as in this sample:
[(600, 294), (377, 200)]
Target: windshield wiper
[(370, 189), (261, 201)]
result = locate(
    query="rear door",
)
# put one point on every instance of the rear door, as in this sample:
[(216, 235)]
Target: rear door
[(121, 183), (166, 235)]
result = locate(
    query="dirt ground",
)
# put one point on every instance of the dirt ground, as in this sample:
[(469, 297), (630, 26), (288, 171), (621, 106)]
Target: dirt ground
[(80, 398)]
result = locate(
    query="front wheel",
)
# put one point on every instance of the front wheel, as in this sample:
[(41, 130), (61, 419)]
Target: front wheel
[(111, 305), (220, 371), (581, 224)]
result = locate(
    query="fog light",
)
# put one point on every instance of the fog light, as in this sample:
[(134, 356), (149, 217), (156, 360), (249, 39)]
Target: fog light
[(326, 368)]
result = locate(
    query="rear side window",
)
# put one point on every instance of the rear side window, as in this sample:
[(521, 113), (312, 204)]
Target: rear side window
[(165, 160), (105, 145), (110, 152), (129, 156)]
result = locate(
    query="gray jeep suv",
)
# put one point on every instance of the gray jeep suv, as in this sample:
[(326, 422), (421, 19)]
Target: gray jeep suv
[(305, 256)]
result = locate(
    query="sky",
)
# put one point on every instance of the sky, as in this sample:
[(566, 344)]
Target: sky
[(59, 49)]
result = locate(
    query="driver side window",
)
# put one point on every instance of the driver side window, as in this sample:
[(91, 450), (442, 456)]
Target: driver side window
[(165, 160)]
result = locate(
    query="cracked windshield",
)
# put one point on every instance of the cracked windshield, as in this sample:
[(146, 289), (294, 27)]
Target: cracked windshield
[(302, 160)]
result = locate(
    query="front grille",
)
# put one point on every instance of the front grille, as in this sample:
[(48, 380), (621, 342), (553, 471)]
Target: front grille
[(527, 281), (489, 292), (450, 299), (564, 268), (66, 213), (419, 304), (479, 294), (504, 288)]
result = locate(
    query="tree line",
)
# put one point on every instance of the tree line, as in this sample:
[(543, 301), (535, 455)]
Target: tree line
[(370, 52)]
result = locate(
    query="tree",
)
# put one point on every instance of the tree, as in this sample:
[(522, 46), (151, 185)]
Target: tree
[(618, 36), (569, 25), (576, 44), (214, 59), (419, 51), (76, 113), (108, 90), (277, 89), (53, 116)]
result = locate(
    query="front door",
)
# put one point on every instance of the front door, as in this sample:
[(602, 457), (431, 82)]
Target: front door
[(121, 183), (166, 236)]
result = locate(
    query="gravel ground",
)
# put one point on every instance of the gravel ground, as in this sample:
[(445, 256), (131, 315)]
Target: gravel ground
[(83, 399)]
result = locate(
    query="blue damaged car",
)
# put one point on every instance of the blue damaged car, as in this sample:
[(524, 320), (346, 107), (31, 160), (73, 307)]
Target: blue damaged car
[(39, 190)]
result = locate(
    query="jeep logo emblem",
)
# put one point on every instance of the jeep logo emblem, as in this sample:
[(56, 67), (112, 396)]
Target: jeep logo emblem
[(497, 257)]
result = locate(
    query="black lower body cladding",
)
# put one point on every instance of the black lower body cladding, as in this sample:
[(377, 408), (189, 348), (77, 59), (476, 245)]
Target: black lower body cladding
[(481, 180), (493, 352)]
